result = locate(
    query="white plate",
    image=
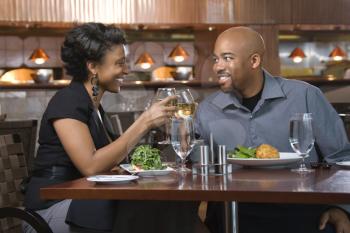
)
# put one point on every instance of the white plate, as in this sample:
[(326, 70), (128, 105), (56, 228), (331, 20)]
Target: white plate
[(131, 170), (345, 164), (112, 179), (285, 158)]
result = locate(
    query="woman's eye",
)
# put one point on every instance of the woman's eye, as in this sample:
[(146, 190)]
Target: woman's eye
[(121, 62)]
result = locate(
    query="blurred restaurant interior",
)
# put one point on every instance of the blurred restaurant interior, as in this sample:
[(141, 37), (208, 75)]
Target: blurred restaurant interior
[(25, 26)]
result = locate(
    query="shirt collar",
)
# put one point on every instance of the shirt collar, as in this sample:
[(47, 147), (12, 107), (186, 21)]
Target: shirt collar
[(272, 89)]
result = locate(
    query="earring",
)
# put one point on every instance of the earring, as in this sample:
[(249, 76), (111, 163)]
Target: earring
[(95, 87)]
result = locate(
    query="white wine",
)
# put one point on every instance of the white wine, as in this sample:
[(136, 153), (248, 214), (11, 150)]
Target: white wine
[(185, 110), (171, 103)]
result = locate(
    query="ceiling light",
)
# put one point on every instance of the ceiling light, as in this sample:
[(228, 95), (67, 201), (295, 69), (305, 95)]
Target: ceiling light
[(145, 61), (39, 56), (297, 55), (337, 54), (178, 54)]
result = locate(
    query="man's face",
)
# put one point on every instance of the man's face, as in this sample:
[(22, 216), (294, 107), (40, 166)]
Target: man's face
[(231, 65)]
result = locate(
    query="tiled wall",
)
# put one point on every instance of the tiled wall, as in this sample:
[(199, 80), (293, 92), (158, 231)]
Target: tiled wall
[(15, 51)]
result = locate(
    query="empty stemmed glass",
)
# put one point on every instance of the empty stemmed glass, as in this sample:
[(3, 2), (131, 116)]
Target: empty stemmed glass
[(301, 138), (182, 138), (161, 94)]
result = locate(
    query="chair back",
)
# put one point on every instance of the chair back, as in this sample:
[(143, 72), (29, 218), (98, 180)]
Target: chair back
[(13, 170), (27, 129)]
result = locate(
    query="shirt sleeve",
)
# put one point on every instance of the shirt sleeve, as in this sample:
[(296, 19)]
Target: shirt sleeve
[(329, 131), (198, 123), (67, 105)]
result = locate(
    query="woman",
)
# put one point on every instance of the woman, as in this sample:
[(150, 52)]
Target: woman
[(74, 141)]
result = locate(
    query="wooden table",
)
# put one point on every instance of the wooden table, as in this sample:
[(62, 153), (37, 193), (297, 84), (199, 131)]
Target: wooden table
[(324, 186)]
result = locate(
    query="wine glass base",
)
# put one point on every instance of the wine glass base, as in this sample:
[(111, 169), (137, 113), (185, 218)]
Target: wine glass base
[(184, 170), (165, 142), (302, 170)]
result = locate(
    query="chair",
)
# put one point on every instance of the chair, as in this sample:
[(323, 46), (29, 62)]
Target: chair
[(13, 169), (343, 110), (27, 129)]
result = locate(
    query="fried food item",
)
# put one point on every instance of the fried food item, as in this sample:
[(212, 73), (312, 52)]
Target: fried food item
[(266, 151)]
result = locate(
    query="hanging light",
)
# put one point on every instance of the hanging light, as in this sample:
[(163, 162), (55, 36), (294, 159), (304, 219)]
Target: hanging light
[(39, 56), (178, 54), (145, 61), (337, 54), (297, 55)]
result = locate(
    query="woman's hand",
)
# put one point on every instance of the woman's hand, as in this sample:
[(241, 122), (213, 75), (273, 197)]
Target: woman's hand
[(159, 112), (337, 218)]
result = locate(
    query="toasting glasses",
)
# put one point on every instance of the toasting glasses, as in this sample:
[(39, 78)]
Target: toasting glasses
[(185, 106), (161, 94), (301, 138)]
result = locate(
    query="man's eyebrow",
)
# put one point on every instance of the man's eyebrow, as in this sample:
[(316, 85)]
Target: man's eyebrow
[(225, 54)]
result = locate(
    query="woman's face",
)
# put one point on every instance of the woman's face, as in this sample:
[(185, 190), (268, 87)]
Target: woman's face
[(112, 69)]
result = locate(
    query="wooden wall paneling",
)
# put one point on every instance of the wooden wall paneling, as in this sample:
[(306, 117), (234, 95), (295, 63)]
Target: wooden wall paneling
[(321, 12), (262, 11), (271, 60), (204, 47)]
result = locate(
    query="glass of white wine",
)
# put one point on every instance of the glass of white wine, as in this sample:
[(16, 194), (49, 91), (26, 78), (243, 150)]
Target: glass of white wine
[(186, 105), (161, 94)]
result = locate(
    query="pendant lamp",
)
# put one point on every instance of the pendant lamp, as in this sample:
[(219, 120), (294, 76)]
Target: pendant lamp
[(297, 55)]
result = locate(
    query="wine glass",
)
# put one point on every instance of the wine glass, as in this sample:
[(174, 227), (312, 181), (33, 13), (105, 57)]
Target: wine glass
[(161, 94), (182, 138), (301, 138), (185, 106)]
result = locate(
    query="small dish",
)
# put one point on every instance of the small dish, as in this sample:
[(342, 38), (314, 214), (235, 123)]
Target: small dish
[(344, 164), (145, 173), (112, 179)]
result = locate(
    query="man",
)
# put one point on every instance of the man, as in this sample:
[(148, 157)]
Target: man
[(254, 108)]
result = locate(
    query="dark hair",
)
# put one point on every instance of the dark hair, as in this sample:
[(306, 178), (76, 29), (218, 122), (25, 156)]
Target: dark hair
[(88, 42)]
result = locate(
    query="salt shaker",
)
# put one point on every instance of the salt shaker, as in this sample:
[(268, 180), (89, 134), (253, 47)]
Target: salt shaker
[(222, 154), (204, 151)]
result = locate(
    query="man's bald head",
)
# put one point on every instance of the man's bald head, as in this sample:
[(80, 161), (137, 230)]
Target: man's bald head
[(245, 39), (238, 55)]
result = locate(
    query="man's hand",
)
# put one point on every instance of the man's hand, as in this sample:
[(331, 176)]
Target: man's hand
[(337, 218)]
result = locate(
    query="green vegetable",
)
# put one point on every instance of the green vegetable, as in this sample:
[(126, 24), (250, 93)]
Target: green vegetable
[(242, 152), (146, 157)]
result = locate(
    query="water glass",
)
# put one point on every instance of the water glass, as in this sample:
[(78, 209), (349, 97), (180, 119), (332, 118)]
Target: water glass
[(301, 138), (182, 138)]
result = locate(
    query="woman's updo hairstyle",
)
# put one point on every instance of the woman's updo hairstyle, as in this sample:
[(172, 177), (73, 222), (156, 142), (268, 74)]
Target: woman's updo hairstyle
[(88, 42)]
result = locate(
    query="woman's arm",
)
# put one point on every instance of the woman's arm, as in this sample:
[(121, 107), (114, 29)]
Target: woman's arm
[(77, 140)]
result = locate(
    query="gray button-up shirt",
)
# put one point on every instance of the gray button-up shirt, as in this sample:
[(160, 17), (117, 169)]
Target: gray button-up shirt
[(223, 115)]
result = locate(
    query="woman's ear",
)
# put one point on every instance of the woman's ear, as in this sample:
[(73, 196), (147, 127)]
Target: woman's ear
[(91, 66), (256, 60)]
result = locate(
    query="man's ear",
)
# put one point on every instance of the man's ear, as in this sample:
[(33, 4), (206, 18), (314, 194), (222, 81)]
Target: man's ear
[(91, 66), (255, 60)]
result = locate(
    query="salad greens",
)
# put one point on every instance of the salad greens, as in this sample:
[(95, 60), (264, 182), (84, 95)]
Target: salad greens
[(146, 158), (242, 152)]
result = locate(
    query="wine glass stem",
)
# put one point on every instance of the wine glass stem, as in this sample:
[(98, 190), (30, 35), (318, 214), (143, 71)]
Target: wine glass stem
[(302, 164), (167, 132)]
